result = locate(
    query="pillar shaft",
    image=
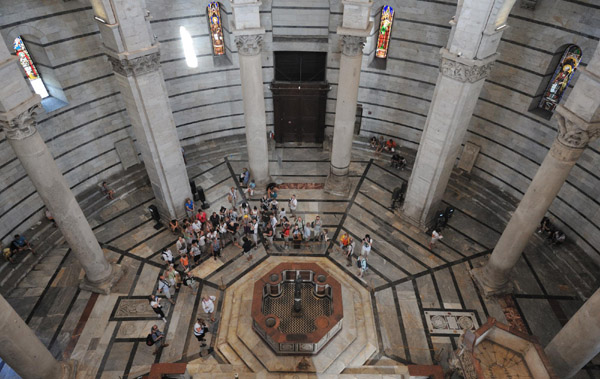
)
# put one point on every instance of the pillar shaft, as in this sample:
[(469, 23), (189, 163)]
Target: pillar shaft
[(456, 93), (578, 341), (544, 187), (345, 114), (575, 131), (249, 47), (19, 125), (135, 58), (465, 63), (353, 32), (22, 350)]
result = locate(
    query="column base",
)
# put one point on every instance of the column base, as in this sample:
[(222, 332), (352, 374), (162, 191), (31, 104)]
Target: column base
[(487, 289), (424, 227), (105, 286), (338, 185), (69, 369)]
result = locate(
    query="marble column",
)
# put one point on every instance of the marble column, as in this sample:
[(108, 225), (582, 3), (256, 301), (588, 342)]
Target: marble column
[(18, 107), (24, 352), (353, 32), (134, 54), (578, 124), (337, 182), (578, 342), (249, 47), (465, 63)]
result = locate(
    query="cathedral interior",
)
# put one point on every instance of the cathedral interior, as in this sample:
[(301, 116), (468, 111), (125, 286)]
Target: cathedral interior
[(494, 105)]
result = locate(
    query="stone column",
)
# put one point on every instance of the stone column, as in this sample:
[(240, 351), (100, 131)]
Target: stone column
[(17, 119), (248, 39), (465, 63), (353, 31), (578, 124), (249, 47), (24, 352), (578, 342), (345, 114), (135, 58)]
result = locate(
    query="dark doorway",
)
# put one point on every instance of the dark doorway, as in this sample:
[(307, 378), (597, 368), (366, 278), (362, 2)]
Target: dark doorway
[(299, 96)]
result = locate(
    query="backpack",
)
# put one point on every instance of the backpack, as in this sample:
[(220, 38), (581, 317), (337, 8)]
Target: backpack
[(358, 263), (149, 340)]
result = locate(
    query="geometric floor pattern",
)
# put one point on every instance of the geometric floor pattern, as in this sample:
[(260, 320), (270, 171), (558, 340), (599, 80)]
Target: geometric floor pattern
[(407, 282)]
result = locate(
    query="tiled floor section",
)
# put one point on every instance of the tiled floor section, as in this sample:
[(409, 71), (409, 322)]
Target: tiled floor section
[(106, 334)]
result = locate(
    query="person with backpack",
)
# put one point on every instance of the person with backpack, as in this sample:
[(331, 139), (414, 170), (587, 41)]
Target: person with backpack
[(156, 337), (361, 262), (163, 287), (156, 307), (367, 242), (167, 256), (349, 250), (200, 330)]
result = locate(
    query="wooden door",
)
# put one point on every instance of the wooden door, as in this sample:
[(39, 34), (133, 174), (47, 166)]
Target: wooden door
[(299, 111)]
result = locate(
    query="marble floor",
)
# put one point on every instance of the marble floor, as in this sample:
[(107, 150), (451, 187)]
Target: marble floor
[(407, 282)]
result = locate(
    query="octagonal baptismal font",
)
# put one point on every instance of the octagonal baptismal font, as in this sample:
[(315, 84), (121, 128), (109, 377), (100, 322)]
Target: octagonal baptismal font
[(297, 308)]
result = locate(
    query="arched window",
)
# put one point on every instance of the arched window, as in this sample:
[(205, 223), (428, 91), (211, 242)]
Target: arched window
[(560, 80), (216, 29), (385, 31), (27, 64)]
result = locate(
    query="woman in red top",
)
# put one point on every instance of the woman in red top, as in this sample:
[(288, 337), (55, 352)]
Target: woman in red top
[(201, 216), (390, 146)]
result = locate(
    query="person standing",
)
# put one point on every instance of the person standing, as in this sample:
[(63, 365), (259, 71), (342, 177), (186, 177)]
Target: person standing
[(367, 242), (181, 246), (215, 219), (200, 330), (362, 266), (255, 233), (167, 256), (163, 287), (293, 204), (232, 196), (158, 339), (171, 274), (349, 250), (247, 248), (156, 307), (435, 236), (317, 227), (306, 235), (286, 233), (195, 252), (216, 248), (208, 305), (269, 236), (189, 208)]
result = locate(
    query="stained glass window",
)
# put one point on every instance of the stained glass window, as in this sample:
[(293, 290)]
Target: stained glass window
[(27, 63), (560, 80), (385, 31), (216, 29)]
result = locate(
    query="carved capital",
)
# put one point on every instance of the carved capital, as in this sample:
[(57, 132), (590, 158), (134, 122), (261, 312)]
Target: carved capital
[(249, 44), (136, 66), (464, 72), (573, 132), (21, 126), (352, 46)]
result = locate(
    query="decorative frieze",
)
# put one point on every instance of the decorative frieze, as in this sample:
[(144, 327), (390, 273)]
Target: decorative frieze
[(352, 46), (136, 66), (249, 44), (21, 126), (464, 72)]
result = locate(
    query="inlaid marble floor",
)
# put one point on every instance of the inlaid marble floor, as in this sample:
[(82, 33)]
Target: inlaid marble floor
[(409, 283)]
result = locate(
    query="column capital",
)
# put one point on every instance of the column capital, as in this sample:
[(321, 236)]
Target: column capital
[(463, 69), (574, 132), (21, 126), (135, 66), (352, 46), (249, 44)]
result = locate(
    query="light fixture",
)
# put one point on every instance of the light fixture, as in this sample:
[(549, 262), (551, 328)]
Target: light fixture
[(188, 48), (501, 27), (100, 19)]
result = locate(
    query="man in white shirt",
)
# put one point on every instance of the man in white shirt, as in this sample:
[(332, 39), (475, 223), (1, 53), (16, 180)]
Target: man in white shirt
[(167, 256), (293, 203), (181, 246), (200, 329), (163, 287), (197, 226), (208, 305)]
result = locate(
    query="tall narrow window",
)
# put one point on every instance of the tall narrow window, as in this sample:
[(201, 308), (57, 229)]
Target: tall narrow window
[(188, 47), (385, 31), (27, 63), (216, 29), (561, 78)]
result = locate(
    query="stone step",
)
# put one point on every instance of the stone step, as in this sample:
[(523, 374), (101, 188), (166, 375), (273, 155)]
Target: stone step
[(398, 369)]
